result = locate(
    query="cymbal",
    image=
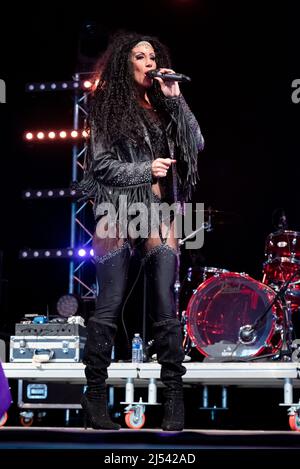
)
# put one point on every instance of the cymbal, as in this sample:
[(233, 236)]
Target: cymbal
[(221, 213), (218, 217), (213, 211)]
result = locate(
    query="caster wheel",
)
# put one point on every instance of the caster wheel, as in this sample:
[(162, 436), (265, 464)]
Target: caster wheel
[(133, 422), (26, 422), (3, 419), (294, 422)]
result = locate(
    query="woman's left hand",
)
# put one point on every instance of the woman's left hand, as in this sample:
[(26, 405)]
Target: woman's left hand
[(170, 88)]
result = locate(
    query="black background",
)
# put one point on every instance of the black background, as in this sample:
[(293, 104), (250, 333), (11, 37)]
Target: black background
[(242, 57)]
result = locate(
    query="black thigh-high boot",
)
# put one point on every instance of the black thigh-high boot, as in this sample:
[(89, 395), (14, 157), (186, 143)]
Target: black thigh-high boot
[(161, 263), (102, 327), (170, 355), (97, 358)]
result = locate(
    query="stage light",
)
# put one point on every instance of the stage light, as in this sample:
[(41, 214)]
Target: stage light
[(57, 253), (87, 84), (52, 193), (56, 135), (67, 305)]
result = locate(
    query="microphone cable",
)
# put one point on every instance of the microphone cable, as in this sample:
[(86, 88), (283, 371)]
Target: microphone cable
[(126, 299)]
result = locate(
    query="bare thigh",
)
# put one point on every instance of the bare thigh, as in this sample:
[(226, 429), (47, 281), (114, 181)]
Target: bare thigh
[(107, 238), (166, 236)]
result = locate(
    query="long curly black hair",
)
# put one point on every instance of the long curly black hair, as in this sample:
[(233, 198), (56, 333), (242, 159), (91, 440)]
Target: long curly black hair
[(114, 109)]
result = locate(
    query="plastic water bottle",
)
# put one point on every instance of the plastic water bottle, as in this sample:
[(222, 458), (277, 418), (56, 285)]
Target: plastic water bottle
[(137, 349)]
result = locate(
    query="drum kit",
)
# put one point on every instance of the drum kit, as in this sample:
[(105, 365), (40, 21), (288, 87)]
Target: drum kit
[(230, 316)]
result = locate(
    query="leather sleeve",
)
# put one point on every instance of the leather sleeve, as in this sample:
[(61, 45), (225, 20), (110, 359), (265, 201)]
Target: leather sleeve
[(178, 105), (109, 170)]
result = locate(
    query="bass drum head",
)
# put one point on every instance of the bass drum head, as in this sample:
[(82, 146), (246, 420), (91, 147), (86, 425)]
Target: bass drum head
[(222, 305)]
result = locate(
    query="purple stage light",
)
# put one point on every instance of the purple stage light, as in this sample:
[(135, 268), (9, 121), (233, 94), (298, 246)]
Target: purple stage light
[(81, 252)]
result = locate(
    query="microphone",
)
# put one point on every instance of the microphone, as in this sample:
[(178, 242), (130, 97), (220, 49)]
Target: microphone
[(168, 76)]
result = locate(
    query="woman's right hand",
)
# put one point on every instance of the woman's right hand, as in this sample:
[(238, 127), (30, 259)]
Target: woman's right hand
[(160, 167)]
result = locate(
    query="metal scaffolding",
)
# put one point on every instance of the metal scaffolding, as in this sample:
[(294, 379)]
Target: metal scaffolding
[(82, 282), (79, 233)]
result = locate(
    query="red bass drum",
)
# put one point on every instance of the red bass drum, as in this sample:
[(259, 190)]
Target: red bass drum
[(222, 308)]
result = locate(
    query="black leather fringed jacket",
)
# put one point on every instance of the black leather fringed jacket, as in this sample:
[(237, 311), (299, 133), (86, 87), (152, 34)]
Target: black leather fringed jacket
[(124, 168)]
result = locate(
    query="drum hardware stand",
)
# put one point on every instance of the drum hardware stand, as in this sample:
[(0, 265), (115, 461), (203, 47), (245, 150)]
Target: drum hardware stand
[(180, 209), (177, 286), (187, 342), (286, 351), (207, 225), (204, 226)]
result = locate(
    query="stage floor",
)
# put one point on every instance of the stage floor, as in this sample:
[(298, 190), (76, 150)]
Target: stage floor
[(243, 374), (284, 376), (130, 448)]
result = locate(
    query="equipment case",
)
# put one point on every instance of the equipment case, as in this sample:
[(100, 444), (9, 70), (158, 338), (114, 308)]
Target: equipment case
[(43, 349), (50, 342)]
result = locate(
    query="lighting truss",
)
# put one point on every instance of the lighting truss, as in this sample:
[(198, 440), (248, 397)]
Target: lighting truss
[(80, 235)]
